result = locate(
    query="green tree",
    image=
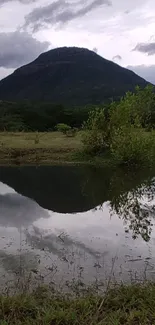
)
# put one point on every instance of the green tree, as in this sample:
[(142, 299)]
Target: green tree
[(129, 120), (97, 133), (123, 129)]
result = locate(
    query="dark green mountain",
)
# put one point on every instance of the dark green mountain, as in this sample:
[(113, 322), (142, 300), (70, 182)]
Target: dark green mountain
[(72, 76)]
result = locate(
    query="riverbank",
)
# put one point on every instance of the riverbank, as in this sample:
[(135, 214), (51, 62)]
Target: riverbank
[(130, 305), (42, 148)]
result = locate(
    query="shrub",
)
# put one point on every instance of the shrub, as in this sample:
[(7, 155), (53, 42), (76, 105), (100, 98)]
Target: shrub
[(133, 147), (71, 133), (64, 128), (124, 128), (96, 135)]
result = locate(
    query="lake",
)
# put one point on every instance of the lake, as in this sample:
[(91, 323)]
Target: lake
[(72, 227)]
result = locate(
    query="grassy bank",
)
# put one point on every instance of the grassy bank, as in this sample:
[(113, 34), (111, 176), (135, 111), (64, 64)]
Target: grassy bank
[(43, 148), (131, 305), (37, 147)]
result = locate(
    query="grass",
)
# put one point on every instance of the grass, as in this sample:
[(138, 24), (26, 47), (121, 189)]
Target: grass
[(124, 305), (43, 148), (37, 147)]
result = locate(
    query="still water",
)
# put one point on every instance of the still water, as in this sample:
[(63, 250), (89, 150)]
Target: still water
[(63, 225)]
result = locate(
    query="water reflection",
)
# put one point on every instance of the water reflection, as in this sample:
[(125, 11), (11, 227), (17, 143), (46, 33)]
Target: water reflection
[(74, 220), (137, 208), (57, 244), (70, 189), (17, 210), (16, 264), (60, 189)]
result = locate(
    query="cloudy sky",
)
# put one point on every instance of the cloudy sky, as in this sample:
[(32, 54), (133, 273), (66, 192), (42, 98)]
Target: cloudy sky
[(119, 30)]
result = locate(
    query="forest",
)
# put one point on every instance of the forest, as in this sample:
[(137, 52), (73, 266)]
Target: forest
[(32, 116), (39, 116)]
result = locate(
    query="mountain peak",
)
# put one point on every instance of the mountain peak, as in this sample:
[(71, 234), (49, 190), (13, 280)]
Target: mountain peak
[(69, 75), (62, 53)]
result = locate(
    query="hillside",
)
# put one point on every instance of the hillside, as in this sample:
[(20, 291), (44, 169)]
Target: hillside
[(72, 76)]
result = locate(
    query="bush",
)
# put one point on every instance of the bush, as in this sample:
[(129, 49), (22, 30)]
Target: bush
[(64, 128), (133, 147), (123, 130), (96, 135), (72, 132)]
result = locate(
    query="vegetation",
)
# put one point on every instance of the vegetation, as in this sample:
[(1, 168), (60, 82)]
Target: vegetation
[(70, 76), (97, 135), (123, 129), (39, 148), (64, 128), (126, 305), (38, 116)]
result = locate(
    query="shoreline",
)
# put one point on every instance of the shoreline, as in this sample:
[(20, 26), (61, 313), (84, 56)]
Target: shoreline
[(45, 157), (22, 148), (41, 156), (49, 148)]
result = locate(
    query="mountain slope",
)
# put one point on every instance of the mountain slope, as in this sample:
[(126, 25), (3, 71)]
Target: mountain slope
[(74, 76)]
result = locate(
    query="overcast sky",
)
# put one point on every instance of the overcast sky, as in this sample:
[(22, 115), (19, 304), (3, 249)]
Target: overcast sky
[(119, 30)]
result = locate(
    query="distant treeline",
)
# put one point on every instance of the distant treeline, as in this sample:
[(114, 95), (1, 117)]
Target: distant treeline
[(27, 116), (44, 116)]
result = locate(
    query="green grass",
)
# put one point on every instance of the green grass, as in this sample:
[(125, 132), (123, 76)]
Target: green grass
[(44, 148), (47, 140), (125, 305), (35, 147)]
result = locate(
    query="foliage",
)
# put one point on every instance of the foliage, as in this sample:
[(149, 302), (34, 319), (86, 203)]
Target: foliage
[(118, 127), (123, 129), (44, 116), (136, 109), (38, 116), (129, 120), (96, 137), (133, 146), (64, 128)]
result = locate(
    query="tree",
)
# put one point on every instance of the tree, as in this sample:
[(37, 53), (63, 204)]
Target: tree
[(96, 136), (123, 130)]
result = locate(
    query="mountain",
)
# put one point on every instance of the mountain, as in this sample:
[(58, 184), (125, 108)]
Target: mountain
[(69, 75)]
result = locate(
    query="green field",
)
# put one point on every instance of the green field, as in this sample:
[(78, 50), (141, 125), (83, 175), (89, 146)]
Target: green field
[(45, 148), (35, 147), (131, 305)]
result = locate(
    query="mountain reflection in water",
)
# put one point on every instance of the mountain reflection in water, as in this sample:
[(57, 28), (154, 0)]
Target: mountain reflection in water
[(77, 216)]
